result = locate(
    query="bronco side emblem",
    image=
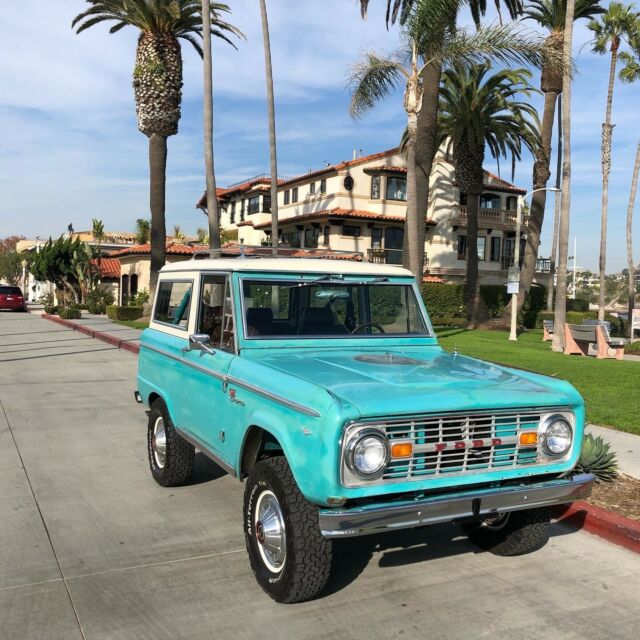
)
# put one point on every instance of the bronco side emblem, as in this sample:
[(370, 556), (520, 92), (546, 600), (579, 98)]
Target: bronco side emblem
[(234, 399)]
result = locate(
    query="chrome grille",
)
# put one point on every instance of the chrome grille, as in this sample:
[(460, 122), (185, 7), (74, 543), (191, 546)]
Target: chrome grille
[(461, 444)]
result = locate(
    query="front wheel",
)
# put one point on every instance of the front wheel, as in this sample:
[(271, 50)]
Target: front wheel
[(289, 557), (511, 534)]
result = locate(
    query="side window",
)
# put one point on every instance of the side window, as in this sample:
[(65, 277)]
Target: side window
[(215, 315), (173, 303)]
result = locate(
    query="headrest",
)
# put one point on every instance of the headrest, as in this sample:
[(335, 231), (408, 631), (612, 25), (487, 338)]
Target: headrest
[(320, 315), (259, 315)]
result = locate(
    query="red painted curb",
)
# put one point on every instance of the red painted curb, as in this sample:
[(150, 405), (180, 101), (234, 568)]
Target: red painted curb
[(619, 530), (98, 335)]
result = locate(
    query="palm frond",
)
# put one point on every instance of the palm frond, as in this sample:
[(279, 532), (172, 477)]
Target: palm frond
[(372, 80)]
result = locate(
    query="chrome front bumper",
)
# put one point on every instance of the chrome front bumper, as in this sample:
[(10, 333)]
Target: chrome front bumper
[(375, 518)]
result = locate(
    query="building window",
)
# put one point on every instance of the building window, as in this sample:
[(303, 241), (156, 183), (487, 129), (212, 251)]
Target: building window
[(243, 209), (348, 183), (312, 187), (482, 248), (375, 187), (292, 238), (462, 247), (490, 201), (396, 188), (376, 238), (311, 238), (327, 231), (323, 185), (266, 203), (232, 214), (512, 203), (463, 199), (352, 230), (254, 204), (495, 248), (286, 196), (294, 194)]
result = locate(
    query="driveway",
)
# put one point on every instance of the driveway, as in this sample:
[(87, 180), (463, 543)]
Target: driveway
[(91, 547)]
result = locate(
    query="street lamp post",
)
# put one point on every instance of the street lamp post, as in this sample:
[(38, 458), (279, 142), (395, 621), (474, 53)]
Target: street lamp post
[(514, 275)]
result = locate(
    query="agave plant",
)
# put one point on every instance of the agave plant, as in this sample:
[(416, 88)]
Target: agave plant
[(596, 457)]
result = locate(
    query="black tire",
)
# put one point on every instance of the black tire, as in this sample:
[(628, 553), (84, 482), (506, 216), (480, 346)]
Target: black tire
[(303, 570), (176, 466), (513, 534)]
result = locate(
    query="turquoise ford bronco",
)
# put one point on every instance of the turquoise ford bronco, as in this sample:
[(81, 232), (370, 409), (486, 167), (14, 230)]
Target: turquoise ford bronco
[(320, 384)]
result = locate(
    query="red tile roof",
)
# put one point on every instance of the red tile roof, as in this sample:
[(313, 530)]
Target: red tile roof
[(492, 181), (354, 214), (172, 249), (432, 279), (109, 268), (386, 168)]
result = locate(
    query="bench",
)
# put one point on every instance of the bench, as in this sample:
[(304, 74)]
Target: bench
[(547, 330), (578, 337)]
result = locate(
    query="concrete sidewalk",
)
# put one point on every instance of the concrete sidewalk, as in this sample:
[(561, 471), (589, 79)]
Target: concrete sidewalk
[(625, 445), (102, 328)]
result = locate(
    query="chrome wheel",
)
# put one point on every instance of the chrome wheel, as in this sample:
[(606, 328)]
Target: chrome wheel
[(270, 531), (159, 443)]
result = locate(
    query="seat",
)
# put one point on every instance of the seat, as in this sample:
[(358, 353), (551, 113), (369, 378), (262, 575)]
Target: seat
[(320, 321), (260, 319)]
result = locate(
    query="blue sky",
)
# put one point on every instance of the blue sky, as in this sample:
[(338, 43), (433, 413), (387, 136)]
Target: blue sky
[(71, 151)]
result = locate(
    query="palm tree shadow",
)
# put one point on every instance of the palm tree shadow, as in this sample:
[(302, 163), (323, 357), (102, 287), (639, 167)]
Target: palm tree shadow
[(351, 556), (205, 470)]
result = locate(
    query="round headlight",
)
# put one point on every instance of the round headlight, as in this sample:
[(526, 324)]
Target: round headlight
[(369, 455), (558, 436)]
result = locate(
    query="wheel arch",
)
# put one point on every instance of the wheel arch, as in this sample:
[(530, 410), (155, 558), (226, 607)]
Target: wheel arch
[(258, 443)]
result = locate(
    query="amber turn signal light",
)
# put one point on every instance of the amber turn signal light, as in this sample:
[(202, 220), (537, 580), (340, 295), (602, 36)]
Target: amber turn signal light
[(402, 450), (529, 438)]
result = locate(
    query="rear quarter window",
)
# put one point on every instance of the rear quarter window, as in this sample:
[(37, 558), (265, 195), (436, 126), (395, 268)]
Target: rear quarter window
[(173, 302)]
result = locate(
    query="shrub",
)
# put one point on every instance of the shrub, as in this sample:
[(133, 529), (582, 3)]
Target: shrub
[(632, 348), (139, 300), (70, 313), (51, 309), (98, 300), (115, 312), (596, 457), (577, 304), (450, 322), (444, 300)]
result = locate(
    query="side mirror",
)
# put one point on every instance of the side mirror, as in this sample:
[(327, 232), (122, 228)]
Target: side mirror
[(201, 342)]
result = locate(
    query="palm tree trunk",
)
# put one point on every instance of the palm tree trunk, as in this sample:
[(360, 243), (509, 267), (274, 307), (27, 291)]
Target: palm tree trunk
[(426, 149), (541, 175), (272, 125), (412, 205), (157, 180), (472, 289), (556, 213), (560, 315), (630, 265), (213, 213), (607, 131)]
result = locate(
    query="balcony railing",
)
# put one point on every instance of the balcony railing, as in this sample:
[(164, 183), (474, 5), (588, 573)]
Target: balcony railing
[(495, 216), (385, 256), (543, 265)]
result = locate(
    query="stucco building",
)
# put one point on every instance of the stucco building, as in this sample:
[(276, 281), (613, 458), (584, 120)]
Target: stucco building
[(360, 205)]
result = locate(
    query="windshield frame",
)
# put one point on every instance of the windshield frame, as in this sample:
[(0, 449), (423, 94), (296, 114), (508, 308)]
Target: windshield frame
[(309, 279)]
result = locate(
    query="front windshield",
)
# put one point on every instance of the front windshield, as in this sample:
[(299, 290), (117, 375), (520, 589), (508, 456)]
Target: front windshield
[(284, 309)]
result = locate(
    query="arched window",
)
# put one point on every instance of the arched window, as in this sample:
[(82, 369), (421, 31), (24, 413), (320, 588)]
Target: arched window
[(133, 285), (490, 201), (124, 290)]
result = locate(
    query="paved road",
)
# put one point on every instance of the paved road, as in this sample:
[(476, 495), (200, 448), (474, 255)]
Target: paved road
[(91, 547)]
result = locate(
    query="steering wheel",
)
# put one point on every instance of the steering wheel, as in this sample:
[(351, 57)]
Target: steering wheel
[(368, 324)]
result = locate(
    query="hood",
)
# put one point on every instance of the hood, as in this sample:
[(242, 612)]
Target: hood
[(425, 380)]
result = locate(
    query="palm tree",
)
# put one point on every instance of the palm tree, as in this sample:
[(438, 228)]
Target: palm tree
[(272, 124), (480, 111), (550, 15), (427, 14), (143, 230), (618, 24), (560, 314), (202, 235), (157, 81), (376, 76), (98, 236), (178, 234)]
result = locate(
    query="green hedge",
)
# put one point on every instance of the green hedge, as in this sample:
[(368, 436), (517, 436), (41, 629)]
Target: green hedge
[(632, 348), (52, 310), (70, 313), (576, 317), (577, 304), (446, 301), (114, 312)]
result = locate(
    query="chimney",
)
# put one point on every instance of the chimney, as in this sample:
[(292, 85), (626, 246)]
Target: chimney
[(354, 153)]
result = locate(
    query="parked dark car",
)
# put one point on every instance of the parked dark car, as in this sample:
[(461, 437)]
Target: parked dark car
[(11, 298)]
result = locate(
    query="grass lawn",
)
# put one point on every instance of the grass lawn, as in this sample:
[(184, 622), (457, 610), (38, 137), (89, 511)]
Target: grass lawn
[(134, 324), (611, 389)]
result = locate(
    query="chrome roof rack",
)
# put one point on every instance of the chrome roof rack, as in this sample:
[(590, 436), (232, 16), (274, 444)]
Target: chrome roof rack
[(245, 252)]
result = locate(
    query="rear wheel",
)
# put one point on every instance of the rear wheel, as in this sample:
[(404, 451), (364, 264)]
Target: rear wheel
[(170, 456), (511, 534), (289, 557)]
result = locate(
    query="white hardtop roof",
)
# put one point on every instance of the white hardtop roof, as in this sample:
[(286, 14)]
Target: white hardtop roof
[(288, 265)]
